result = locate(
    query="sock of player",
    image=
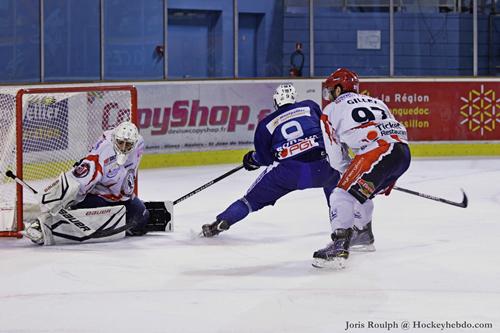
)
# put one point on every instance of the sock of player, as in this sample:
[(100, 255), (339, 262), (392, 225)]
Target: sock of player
[(363, 213), (342, 209), (237, 211)]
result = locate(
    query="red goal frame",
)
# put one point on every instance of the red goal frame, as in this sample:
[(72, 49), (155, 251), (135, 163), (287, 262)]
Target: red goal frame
[(19, 137)]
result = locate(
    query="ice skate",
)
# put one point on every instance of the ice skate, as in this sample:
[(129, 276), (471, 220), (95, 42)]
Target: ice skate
[(33, 231), (211, 230), (335, 254), (362, 239)]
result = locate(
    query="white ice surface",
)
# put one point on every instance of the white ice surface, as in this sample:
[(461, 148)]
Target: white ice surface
[(434, 262)]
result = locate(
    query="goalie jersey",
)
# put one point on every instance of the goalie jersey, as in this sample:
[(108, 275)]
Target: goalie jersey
[(99, 174)]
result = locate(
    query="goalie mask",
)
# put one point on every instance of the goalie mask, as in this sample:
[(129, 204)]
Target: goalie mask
[(284, 94), (124, 137)]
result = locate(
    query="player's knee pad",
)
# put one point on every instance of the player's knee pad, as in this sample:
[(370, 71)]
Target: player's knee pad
[(255, 204), (341, 196)]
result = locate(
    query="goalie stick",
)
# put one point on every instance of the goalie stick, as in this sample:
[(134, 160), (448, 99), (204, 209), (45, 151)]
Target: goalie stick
[(62, 211), (18, 180), (463, 204)]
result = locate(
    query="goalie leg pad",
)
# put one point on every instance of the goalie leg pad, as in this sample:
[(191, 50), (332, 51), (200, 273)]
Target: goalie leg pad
[(90, 225)]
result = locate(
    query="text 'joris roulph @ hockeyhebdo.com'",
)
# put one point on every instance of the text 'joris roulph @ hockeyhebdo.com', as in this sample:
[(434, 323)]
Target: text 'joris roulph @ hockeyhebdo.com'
[(406, 325)]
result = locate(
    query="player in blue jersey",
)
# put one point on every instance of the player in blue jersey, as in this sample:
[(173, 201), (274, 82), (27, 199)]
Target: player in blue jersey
[(289, 142)]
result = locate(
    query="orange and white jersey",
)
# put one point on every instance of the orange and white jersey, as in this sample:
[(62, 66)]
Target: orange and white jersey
[(99, 174), (361, 123)]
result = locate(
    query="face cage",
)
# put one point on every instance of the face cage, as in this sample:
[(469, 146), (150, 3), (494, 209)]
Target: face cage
[(124, 146)]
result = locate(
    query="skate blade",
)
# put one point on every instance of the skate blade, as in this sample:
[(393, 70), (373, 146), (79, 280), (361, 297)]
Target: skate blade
[(362, 248), (333, 264)]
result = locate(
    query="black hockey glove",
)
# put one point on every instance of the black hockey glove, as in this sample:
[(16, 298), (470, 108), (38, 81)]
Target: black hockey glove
[(211, 230), (249, 162)]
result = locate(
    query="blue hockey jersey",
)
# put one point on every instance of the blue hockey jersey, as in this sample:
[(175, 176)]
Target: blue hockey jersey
[(289, 132)]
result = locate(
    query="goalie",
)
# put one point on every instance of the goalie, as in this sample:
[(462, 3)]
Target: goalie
[(95, 201)]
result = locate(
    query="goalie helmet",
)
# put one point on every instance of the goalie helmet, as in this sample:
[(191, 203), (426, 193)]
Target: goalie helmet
[(124, 137), (284, 94), (346, 79)]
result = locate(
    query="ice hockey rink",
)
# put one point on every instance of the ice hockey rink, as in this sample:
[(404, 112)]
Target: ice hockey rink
[(434, 263)]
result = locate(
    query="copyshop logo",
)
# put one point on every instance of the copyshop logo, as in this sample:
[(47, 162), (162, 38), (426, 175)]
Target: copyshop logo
[(192, 114), (480, 110)]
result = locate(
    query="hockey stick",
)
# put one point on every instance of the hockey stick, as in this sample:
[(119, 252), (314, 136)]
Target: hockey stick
[(210, 183), (462, 204), (18, 180)]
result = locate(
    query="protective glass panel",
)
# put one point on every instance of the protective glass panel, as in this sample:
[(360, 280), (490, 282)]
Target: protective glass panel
[(19, 41), (200, 39), (71, 40), (260, 38), (352, 34), (133, 31), (432, 39)]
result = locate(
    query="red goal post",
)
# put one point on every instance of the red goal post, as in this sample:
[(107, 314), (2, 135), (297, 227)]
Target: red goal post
[(43, 131)]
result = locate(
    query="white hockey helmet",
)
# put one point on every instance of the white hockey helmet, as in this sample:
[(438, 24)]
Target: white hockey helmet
[(284, 94), (124, 137)]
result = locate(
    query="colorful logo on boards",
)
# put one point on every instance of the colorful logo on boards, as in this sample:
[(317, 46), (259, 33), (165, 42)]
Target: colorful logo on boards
[(480, 110)]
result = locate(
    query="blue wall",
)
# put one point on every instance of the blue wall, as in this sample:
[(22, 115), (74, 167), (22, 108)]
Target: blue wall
[(71, 30), (19, 41), (430, 44), (132, 32), (201, 40)]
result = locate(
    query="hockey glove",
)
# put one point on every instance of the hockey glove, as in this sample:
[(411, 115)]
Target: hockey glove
[(249, 162), (386, 191), (211, 230)]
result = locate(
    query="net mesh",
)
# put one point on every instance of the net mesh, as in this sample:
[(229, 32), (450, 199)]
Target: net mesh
[(58, 129)]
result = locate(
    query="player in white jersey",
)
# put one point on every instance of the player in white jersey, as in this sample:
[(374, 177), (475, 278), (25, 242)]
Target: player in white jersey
[(381, 155), (104, 178)]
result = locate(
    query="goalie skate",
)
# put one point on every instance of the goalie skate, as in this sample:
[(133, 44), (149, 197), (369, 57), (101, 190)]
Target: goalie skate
[(33, 231)]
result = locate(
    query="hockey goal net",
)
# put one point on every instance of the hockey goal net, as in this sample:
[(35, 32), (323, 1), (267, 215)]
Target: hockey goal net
[(44, 131)]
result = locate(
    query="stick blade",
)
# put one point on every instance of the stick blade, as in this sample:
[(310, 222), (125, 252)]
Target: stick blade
[(10, 174), (465, 200)]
